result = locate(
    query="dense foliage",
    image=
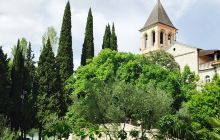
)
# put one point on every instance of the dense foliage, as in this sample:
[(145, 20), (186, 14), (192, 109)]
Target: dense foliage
[(126, 75), (197, 119), (5, 131), (205, 103), (118, 102), (136, 69)]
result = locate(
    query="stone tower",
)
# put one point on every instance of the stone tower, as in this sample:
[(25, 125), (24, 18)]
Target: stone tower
[(158, 32)]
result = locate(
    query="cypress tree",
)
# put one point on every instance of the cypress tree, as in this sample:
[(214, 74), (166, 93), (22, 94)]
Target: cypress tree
[(113, 40), (107, 37), (88, 45), (28, 110), (17, 77), (65, 53), (4, 82), (65, 57), (49, 86)]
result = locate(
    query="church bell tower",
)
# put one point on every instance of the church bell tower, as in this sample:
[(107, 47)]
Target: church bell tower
[(158, 32)]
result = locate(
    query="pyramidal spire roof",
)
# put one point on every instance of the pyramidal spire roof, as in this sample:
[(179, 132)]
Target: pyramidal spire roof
[(158, 15)]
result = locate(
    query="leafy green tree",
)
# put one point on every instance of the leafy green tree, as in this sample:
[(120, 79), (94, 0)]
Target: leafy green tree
[(48, 98), (216, 79), (88, 45), (4, 83), (102, 67), (120, 102), (215, 133), (58, 127), (205, 104), (147, 74), (196, 119), (23, 44), (130, 68), (160, 57), (50, 34), (107, 38), (5, 132), (177, 127), (188, 83), (113, 39)]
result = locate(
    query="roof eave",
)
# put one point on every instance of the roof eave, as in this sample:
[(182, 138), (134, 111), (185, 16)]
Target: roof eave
[(150, 26)]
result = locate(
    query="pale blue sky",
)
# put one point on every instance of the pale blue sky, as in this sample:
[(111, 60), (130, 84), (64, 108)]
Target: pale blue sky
[(197, 20)]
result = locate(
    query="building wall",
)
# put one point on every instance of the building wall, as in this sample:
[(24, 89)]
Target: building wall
[(127, 127), (208, 72), (185, 55)]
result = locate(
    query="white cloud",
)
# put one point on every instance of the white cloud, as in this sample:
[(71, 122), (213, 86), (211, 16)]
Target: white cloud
[(177, 8), (30, 18)]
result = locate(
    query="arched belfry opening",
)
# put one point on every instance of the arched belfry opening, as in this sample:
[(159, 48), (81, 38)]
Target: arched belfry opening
[(145, 41), (162, 37), (169, 39), (153, 38)]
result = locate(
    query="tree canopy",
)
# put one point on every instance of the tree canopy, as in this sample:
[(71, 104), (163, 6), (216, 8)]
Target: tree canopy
[(122, 77), (138, 69)]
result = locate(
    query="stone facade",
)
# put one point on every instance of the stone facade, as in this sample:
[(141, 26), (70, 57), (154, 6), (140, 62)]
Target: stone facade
[(185, 55)]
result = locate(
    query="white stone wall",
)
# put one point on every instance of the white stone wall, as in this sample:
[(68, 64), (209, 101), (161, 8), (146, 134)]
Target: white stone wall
[(185, 55), (208, 72), (128, 128)]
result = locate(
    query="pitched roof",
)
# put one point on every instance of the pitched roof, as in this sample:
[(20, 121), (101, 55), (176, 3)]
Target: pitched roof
[(158, 15)]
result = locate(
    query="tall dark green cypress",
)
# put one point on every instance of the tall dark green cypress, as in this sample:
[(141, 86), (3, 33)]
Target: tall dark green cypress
[(65, 52), (88, 45), (65, 57), (113, 40), (107, 37), (4, 83), (17, 77), (49, 86), (28, 110)]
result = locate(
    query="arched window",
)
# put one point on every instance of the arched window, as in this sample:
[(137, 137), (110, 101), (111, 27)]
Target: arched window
[(153, 37), (207, 78), (145, 40), (161, 37), (169, 39)]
